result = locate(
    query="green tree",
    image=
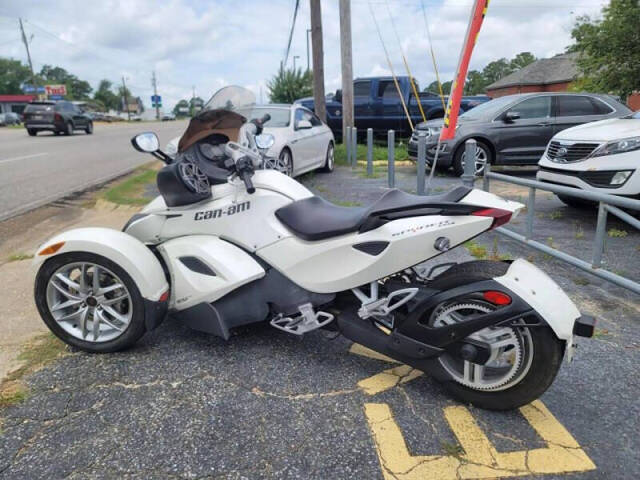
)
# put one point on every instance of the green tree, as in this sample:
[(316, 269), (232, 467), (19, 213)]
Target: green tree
[(76, 89), (496, 70), (179, 111), (433, 88), (105, 95), (475, 84), (289, 85), (12, 75), (609, 48), (521, 60)]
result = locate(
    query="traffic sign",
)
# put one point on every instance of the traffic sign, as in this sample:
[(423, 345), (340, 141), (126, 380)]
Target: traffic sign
[(156, 101)]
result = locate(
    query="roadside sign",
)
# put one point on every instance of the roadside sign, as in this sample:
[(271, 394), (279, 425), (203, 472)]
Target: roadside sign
[(26, 88), (156, 101), (57, 90)]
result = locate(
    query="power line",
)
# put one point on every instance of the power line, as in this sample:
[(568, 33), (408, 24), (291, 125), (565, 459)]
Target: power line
[(293, 25)]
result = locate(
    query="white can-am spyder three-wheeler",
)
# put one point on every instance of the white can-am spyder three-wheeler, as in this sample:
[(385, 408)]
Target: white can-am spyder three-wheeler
[(229, 243)]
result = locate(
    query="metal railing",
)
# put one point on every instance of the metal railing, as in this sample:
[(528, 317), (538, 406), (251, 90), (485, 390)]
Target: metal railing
[(607, 203)]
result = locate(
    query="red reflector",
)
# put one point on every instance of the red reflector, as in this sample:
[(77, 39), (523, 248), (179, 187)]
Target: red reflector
[(500, 217), (164, 297), (497, 298)]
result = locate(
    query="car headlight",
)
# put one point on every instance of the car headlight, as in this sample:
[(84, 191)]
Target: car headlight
[(618, 146), (620, 177), (434, 131)]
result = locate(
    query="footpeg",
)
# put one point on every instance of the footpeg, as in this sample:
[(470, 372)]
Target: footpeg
[(307, 321)]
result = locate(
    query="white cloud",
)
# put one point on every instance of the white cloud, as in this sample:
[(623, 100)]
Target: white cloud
[(208, 44)]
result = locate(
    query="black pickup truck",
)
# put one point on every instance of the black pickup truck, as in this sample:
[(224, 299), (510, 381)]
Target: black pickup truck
[(376, 105)]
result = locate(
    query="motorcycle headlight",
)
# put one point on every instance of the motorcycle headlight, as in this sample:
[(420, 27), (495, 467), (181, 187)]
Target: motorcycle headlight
[(618, 146)]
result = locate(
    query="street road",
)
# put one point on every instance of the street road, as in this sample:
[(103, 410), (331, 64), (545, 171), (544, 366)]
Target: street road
[(37, 170)]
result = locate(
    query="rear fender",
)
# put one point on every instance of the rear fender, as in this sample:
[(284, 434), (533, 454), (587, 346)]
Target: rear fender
[(129, 253), (544, 295)]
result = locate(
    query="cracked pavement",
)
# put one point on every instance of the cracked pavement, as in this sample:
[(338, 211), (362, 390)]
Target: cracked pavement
[(267, 405)]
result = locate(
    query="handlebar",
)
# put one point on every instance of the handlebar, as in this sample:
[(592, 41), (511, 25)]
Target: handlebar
[(245, 175), (259, 122)]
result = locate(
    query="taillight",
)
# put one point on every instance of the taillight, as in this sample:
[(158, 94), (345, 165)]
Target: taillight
[(57, 117), (500, 217), (497, 298)]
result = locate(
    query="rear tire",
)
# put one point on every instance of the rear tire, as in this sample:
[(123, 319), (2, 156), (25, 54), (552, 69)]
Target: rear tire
[(32, 132), (69, 129), (546, 350), (89, 128)]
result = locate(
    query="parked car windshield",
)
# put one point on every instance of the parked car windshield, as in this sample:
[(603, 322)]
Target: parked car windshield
[(487, 109), (279, 116)]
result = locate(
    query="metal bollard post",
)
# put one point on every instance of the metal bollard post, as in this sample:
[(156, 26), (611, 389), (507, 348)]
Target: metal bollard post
[(601, 230), (354, 147), (469, 174), (531, 210), (369, 152), (422, 161), (346, 140), (391, 158), (485, 177)]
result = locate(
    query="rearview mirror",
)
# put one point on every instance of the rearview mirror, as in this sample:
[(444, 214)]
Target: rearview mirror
[(303, 124), (338, 96), (265, 140), (511, 116), (146, 142)]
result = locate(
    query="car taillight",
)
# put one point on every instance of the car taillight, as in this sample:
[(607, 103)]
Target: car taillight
[(500, 217), (57, 117)]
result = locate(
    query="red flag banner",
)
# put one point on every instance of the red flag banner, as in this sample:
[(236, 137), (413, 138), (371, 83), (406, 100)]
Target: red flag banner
[(453, 106)]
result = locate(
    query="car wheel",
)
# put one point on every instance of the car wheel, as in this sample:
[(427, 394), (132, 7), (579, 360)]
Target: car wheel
[(285, 163), (32, 132), (89, 128), (57, 132), (329, 159), (69, 129), (483, 156), (90, 302)]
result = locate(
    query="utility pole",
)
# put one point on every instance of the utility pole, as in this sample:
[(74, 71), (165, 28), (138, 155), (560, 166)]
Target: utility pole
[(155, 94), (308, 33), (318, 60), (347, 66), (294, 61), (26, 45), (126, 98)]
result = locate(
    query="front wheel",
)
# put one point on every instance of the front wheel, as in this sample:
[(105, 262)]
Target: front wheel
[(285, 162), (89, 128), (329, 159), (69, 129), (524, 359), (90, 302), (482, 157)]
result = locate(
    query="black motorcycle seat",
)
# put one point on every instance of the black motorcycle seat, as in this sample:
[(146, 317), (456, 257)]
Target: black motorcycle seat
[(314, 218)]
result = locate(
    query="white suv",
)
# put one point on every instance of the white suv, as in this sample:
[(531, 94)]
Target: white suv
[(600, 156)]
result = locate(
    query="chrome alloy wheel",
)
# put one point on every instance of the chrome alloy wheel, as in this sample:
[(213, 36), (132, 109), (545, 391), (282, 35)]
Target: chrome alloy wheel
[(330, 157), (511, 349), (89, 302), (480, 160), (285, 164)]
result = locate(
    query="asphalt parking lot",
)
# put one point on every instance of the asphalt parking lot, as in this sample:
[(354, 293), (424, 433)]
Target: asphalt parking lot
[(267, 405)]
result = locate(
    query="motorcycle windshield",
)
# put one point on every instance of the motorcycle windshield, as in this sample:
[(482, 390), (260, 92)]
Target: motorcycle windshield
[(223, 114)]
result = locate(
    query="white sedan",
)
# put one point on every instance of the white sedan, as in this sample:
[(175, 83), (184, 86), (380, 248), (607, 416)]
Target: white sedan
[(601, 156), (302, 142)]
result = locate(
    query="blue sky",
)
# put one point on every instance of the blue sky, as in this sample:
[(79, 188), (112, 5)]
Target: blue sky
[(209, 44)]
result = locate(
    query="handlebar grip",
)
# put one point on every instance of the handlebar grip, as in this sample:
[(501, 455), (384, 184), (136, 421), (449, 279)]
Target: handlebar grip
[(265, 118), (245, 175)]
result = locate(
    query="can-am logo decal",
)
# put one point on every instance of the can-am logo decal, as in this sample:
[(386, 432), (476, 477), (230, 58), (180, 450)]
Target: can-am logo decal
[(223, 212)]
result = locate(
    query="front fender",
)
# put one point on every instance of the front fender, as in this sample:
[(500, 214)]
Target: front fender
[(544, 295), (128, 252)]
